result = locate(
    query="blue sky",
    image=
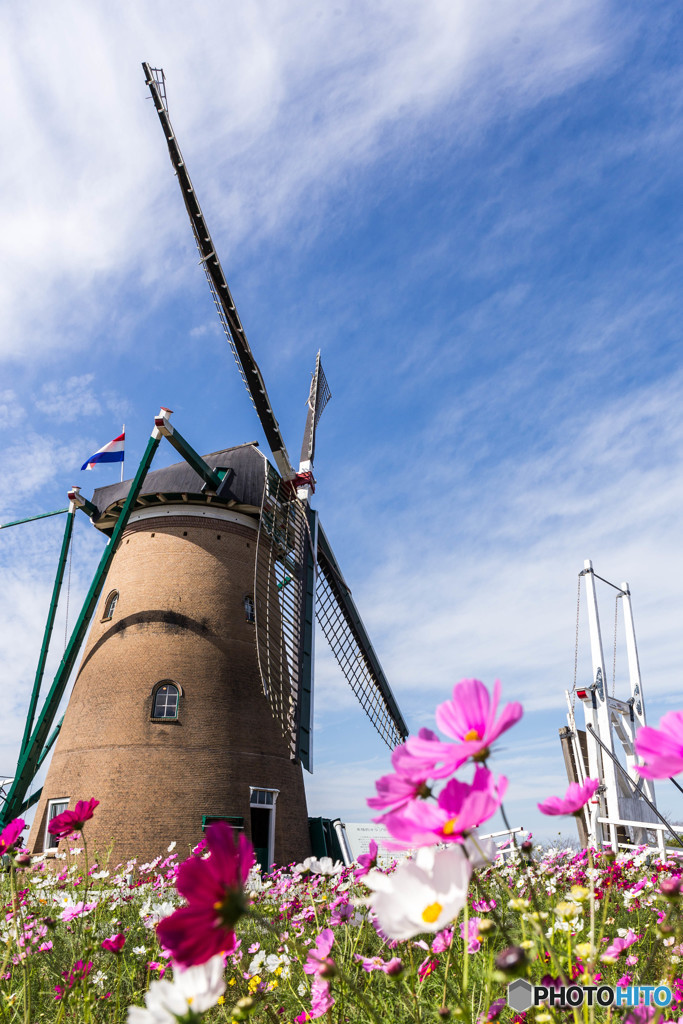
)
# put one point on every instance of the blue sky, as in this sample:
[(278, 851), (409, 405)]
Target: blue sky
[(475, 214)]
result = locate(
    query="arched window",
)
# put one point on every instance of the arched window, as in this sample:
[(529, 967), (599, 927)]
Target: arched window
[(110, 605), (165, 701)]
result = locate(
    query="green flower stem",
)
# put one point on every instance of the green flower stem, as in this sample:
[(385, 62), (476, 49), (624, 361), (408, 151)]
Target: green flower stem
[(465, 954), (413, 990)]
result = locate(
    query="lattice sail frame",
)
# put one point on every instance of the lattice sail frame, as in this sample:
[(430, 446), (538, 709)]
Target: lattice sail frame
[(279, 594), (348, 650)]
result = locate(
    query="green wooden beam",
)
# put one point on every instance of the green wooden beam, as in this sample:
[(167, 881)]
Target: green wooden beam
[(29, 758), (86, 506), (33, 799), (29, 519), (42, 658), (187, 452), (50, 743)]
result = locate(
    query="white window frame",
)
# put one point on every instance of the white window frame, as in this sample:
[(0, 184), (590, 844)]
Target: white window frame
[(112, 596), (48, 842), (266, 807)]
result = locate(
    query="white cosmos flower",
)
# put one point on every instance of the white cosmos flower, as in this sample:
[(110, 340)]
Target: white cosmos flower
[(422, 895), (324, 866), (197, 989)]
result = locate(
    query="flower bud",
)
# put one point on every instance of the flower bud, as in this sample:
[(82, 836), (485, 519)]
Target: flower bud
[(444, 1012), (395, 968), (511, 960), (670, 888), (329, 969)]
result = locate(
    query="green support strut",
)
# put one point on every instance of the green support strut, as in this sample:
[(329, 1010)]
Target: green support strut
[(29, 758), (48, 627)]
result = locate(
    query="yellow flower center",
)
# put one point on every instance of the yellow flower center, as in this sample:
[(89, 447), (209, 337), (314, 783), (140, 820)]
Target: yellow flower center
[(449, 826), (472, 735), (431, 913)]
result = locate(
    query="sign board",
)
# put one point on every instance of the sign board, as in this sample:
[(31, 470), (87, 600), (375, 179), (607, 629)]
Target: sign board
[(359, 835)]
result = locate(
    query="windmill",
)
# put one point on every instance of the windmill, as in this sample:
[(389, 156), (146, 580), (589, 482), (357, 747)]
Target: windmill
[(194, 697)]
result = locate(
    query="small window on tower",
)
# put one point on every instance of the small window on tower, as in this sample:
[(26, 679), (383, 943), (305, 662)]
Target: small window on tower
[(54, 807), (165, 701), (249, 608), (110, 605)]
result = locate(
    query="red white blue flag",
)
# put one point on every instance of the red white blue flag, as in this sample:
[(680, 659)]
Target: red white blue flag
[(112, 452)]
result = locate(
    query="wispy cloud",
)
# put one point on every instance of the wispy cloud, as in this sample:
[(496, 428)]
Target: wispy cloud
[(307, 95)]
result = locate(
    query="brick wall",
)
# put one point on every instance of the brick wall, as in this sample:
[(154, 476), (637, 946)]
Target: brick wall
[(180, 616)]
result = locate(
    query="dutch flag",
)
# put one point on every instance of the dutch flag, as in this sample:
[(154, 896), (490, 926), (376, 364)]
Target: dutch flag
[(112, 452)]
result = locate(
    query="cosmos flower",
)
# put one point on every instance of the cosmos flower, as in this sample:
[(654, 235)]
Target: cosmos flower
[(214, 890), (409, 779), (72, 821), (322, 866), (421, 895), (367, 861), (194, 990), (576, 797), (661, 748), (469, 719), (460, 808), (115, 943), (618, 945), (10, 834), (319, 964)]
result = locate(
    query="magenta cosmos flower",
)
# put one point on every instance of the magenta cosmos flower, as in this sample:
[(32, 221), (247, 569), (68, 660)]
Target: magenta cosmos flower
[(574, 799), (469, 719), (409, 779), (461, 807), (10, 834), (661, 748), (67, 822), (214, 889)]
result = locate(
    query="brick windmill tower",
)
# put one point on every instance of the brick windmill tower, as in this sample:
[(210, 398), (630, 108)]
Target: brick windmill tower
[(193, 701)]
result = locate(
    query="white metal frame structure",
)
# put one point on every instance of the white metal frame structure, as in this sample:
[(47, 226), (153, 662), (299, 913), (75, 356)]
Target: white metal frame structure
[(611, 725)]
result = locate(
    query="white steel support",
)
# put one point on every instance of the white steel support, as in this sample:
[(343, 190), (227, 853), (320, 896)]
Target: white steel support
[(597, 710)]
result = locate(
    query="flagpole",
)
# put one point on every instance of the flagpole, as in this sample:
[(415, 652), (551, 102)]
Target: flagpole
[(123, 431)]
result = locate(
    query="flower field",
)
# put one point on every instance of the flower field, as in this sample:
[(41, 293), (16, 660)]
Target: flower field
[(438, 936)]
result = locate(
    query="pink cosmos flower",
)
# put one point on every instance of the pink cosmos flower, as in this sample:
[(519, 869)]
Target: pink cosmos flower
[(10, 834), (72, 821), (375, 963), (367, 861), (493, 1012), (79, 972), (460, 808), (409, 780), (318, 963), (115, 943), (318, 957), (469, 719), (442, 941), (426, 967), (618, 945), (661, 748), (213, 888), (70, 913), (473, 941), (576, 797)]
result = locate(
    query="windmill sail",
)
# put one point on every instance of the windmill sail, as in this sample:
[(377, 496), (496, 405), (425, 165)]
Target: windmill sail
[(296, 574), (229, 317), (346, 635), (282, 554), (318, 397)]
